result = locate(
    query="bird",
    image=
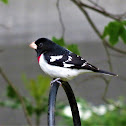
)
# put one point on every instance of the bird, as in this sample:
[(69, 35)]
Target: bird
[(60, 63)]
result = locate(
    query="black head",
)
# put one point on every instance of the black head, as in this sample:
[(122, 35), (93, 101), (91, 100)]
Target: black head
[(42, 45)]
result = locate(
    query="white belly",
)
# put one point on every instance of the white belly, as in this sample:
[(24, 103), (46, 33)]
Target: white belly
[(55, 71)]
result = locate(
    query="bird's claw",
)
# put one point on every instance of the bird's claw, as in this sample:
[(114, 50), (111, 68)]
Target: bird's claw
[(56, 80)]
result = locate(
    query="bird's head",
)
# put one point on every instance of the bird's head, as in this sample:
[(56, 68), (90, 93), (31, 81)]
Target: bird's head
[(42, 45)]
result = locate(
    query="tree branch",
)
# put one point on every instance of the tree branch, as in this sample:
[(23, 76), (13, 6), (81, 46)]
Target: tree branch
[(19, 96), (95, 28), (60, 18), (105, 43), (96, 4), (103, 11), (4, 26)]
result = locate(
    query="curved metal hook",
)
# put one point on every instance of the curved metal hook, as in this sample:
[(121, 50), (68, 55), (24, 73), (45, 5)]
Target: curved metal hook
[(72, 101)]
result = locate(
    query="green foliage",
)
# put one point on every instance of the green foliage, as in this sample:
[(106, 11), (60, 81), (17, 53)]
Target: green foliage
[(105, 115), (111, 118), (10, 104), (13, 100), (115, 30), (5, 1), (11, 93), (37, 88), (72, 47), (59, 41)]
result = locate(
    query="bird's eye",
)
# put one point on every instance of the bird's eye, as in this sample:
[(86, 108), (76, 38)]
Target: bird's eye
[(40, 45)]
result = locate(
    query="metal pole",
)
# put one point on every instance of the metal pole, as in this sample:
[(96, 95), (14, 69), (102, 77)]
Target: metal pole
[(51, 104), (71, 99), (73, 103)]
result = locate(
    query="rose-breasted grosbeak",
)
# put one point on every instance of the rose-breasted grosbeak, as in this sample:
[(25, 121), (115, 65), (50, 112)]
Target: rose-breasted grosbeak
[(59, 62)]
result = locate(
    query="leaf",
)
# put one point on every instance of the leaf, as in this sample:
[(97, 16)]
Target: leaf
[(33, 88), (73, 48), (123, 22), (11, 93), (105, 33), (10, 104), (5, 1), (123, 34), (43, 83), (115, 30), (29, 106), (59, 41), (37, 88), (30, 109), (24, 78)]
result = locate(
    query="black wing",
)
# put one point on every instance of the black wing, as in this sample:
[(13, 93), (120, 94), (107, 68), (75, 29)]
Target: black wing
[(70, 60)]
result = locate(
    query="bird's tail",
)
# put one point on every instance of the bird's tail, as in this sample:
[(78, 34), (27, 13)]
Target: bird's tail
[(88, 66), (106, 72)]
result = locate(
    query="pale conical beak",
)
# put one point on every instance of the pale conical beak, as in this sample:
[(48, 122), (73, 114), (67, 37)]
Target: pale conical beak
[(33, 45)]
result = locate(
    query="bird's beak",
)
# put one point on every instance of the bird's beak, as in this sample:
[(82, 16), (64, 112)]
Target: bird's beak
[(33, 45)]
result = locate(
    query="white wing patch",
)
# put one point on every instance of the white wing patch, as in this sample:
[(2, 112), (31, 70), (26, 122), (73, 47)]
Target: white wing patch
[(54, 58), (84, 64), (67, 65), (69, 59), (82, 59)]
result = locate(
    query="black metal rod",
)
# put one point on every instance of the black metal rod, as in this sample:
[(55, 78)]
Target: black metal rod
[(73, 103), (51, 104)]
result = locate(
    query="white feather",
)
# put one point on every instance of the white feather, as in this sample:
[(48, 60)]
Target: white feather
[(69, 59), (67, 65), (54, 58), (84, 64)]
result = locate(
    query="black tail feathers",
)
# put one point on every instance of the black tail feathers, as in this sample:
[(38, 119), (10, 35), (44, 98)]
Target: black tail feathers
[(107, 73), (88, 66)]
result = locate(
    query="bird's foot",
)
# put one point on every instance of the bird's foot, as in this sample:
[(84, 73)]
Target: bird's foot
[(56, 80)]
